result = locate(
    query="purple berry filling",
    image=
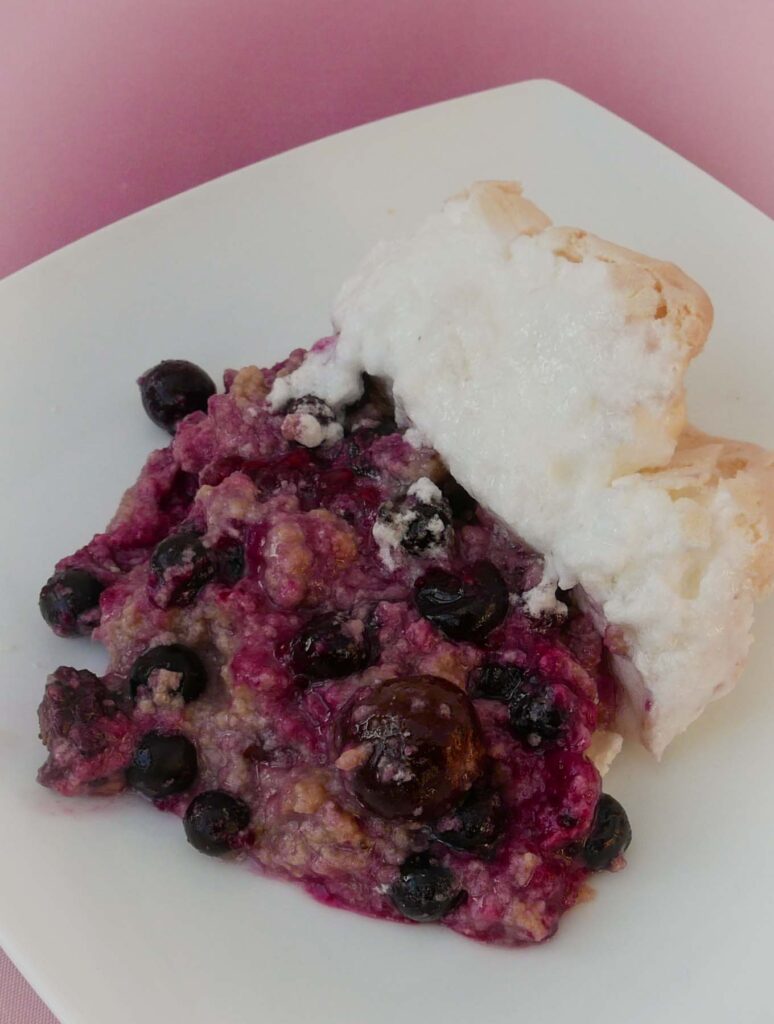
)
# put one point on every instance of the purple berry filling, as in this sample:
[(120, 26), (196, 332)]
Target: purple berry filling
[(397, 735)]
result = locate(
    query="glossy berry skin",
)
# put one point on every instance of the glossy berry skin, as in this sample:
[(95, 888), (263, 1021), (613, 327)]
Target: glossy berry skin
[(175, 658), (69, 602), (476, 825), (533, 713), (494, 682), (179, 567), (214, 822), (425, 890), (610, 835), (330, 647), (173, 389), (464, 606), (412, 747), (162, 765)]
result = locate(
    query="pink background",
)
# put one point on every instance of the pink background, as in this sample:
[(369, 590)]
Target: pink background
[(107, 106)]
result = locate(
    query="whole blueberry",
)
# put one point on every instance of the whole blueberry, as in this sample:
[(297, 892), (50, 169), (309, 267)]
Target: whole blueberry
[(464, 606), (330, 646), (69, 602), (609, 837), (411, 747), (214, 821), (172, 389), (425, 890), (162, 765), (179, 567), (476, 825), (534, 713), (177, 659)]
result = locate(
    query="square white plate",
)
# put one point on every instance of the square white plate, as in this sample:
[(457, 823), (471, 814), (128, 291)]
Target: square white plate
[(110, 914)]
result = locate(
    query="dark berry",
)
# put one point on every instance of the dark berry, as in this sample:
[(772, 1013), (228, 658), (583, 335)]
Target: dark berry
[(172, 389), (310, 405), (214, 821), (179, 567), (330, 647), (610, 835), (229, 556), (426, 528), (162, 765), (494, 682), (412, 747), (425, 890), (69, 602), (176, 659), (309, 421), (534, 712), (463, 606), (463, 506), (476, 825)]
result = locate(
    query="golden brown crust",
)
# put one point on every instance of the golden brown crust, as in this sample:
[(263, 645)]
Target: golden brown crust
[(502, 204), (734, 479), (703, 462), (656, 289)]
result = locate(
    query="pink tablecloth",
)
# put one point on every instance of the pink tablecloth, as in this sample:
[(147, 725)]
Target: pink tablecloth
[(108, 107), (18, 1003)]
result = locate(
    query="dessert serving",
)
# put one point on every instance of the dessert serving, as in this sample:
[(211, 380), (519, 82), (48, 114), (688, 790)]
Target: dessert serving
[(378, 617)]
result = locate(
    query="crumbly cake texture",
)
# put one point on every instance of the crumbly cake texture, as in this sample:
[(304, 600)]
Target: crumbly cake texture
[(331, 659), (546, 366), (251, 616)]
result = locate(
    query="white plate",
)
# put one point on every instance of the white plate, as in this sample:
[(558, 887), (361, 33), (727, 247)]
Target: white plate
[(113, 918)]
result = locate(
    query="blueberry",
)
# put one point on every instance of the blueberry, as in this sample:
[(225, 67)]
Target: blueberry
[(494, 682), (476, 825), (179, 567), (310, 405), (174, 658), (533, 712), (162, 765), (426, 529), (309, 421), (463, 506), (463, 606), (330, 647), (425, 890), (610, 835), (214, 821), (172, 389), (69, 602), (411, 747)]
